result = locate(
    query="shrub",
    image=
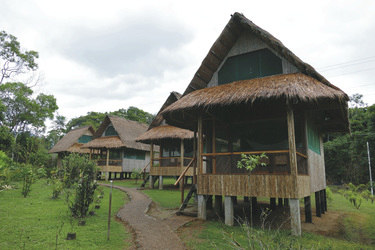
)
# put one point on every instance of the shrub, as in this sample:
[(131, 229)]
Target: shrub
[(28, 177)]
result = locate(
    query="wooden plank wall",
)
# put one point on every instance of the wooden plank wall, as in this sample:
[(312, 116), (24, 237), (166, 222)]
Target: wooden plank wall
[(117, 169), (170, 171), (269, 185)]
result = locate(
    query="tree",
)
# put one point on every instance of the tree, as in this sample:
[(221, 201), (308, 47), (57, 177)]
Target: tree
[(13, 59), (23, 111)]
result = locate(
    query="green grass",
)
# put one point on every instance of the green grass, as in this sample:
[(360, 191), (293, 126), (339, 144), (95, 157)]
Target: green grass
[(219, 236), (33, 222)]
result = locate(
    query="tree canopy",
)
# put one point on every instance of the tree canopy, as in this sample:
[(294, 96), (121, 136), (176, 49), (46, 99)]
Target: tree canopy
[(13, 59), (346, 155)]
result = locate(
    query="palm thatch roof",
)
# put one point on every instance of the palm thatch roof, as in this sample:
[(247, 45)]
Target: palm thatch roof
[(127, 131), (232, 31), (158, 120), (69, 143), (165, 132), (296, 87)]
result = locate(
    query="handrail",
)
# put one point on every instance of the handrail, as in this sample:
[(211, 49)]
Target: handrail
[(183, 173), (144, 169), (175, 157), (253, 152)]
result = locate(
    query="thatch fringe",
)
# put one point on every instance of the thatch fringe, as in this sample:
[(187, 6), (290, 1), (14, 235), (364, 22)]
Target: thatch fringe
[(296, 87), (165, 132)]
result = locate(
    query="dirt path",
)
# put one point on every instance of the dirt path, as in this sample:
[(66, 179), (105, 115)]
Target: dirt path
[(150, 232)]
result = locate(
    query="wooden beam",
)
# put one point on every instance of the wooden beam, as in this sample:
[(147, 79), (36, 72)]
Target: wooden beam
[(182, 163), (195, 156), (200, 144), (308, 213), (214, 146), (292, 148)]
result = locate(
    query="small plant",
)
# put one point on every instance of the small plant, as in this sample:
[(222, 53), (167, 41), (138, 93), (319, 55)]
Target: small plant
[(329, 195), (354, 194), (251, 161), (28, 176), (136, 174)]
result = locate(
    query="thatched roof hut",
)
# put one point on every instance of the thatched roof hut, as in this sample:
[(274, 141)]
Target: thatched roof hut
[(158, 131), (165, 132), (69, 143), (302, 86), (127, 131)]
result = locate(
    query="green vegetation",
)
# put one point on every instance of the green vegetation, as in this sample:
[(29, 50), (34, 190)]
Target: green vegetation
[(34, 222)]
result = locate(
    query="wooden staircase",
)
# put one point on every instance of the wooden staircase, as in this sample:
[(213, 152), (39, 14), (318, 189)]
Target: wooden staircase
[(192, 194), (147, 178)]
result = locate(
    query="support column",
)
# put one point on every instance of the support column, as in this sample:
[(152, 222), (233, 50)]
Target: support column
[(229, 210), (272, 203), (322, 201), (107, 163), (218, 204), (209, 202), (294, 202), (286, 202), (182, 162), (280, 202), (325, 200), (254, 203), (317, 204), (160, 182), (246, 199), (308, 213), (202, 209), (151, 181), (295, 217)]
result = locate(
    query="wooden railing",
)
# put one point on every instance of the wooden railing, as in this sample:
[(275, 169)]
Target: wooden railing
[(182, 178), (277, 162), (144, 171), (111, 162)]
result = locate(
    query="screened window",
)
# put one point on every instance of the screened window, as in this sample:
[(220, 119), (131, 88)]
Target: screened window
[(134, 154), (85, 138), (172, 151), (110, 131), (313, 138), (251, 65)]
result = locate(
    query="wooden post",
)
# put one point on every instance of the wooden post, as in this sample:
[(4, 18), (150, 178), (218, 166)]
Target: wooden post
[(294, 202), (195, 155), (317, 204), (200, 144), (254, 203), (228, 211), (107, 164), (202, 210), (109, 210), (209, 202), (295, 217), (280, 202), (218, 204), (286, 202), (182, 149), (273, 203), (246, 199), (151, 181), (322, 205), (325, 200), (308, 213), (214, 146)]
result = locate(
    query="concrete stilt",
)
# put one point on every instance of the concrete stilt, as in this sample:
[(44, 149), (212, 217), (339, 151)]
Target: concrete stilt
[(160, 182), (106, 176), (229, 210), (295, 217), (202, 209), (151, 182)]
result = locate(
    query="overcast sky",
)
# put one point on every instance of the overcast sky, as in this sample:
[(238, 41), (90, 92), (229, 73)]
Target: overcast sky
[(106, 55)]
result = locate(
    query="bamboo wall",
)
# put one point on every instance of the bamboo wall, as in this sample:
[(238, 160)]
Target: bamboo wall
[(128, 165), (117, 169), (170, 171), (270, 185)]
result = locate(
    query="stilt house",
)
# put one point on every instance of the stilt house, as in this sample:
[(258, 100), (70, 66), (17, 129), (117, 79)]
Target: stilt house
[(252, 95), (117, 150), (176, 147), (72, 142)]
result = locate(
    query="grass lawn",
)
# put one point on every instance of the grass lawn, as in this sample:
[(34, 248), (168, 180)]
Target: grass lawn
[(33, 222)]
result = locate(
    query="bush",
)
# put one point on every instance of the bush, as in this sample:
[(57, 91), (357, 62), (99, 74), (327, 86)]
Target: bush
[(79, 177), (28, 177)]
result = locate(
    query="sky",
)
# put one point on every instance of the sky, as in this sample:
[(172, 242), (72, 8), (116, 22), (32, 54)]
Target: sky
[(105, 55)]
